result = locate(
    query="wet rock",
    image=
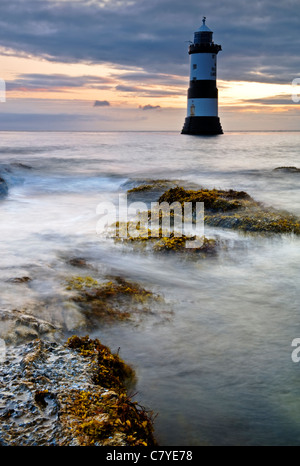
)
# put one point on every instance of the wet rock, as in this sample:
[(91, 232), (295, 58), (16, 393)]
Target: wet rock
[(19, 280), (116, 299), (148, 190), (50, 396), (21, 165), (3, 188), (235, 210), (18, 327), (214, 200), (287, 169), (260, 221), (173, 244), (78, 262)]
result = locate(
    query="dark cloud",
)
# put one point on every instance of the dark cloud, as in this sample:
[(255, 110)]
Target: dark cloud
[(63, 121), (260, 39), (101, 103), (146, 92), (274, 100), (124, 88), (154, 78), (149, 107), (56, 82)]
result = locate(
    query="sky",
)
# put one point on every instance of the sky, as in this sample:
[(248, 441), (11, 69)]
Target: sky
[(110, 65)]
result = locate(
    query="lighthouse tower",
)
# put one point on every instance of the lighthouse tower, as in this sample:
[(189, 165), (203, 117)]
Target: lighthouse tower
[(202, 108)]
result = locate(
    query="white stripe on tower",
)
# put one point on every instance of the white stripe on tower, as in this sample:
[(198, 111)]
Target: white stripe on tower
[(202, 106)]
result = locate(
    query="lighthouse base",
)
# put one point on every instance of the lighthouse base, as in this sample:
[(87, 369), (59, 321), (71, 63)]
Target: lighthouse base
[(202, 125)]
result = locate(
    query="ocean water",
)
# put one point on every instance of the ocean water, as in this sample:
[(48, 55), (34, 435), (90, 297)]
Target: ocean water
[(217, 367)]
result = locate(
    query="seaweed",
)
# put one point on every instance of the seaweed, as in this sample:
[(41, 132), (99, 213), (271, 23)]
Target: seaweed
[(152, 185), (236, 210), (110, 371), (115, 299), (178, 244), (98, 416), (213, 199), (158, 241), (259, 221)]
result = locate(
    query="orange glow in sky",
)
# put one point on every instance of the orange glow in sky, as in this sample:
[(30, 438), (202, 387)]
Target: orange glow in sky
[(79, 83)]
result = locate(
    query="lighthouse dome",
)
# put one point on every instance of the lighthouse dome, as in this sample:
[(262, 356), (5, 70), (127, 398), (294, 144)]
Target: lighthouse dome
[(204, 34), (204, 28)]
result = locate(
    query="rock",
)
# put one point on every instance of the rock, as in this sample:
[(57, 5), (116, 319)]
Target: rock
[(3, 188), (78, 262), (148, 190), (214, 200), (288, 169), (18, 327), (236, 210), (19, 280), (115, 300), (49, 397), (21, 165)]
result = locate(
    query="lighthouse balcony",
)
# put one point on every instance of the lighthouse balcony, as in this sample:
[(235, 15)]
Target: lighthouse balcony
[(204, 48)]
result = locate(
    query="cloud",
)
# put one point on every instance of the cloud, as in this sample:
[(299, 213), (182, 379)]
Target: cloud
[(260, 39), (124, 88), (274, 100), (149, 107), (149, 92), (56, 82), (101, 103), (157, 78)]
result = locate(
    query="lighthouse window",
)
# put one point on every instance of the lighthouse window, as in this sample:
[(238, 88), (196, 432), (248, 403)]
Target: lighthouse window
[(194, 67)]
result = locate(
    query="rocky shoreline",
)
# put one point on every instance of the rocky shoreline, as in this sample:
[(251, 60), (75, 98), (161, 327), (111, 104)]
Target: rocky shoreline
[(227, 209), (75, 393), (3, 188), (69, 395)]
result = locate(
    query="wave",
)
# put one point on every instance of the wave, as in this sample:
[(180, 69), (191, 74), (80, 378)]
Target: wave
[(31, 150), (36, 181)]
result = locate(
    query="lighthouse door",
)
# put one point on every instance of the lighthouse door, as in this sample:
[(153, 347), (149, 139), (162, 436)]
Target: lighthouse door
[(192, 110)]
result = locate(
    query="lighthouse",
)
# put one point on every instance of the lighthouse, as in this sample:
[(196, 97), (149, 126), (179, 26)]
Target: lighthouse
[(202, 103)]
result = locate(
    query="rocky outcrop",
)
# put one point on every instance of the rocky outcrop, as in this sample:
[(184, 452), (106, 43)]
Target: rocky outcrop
[(18, 327), (68, 395), (236, 210), (287, 169), (3, 188)]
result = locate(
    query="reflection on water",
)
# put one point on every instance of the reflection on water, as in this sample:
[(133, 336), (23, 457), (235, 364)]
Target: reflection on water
[(219, 370)]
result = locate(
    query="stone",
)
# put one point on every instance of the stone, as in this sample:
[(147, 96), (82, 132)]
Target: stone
[(3, 188), (288, 169), (18, 327), (48, 397)]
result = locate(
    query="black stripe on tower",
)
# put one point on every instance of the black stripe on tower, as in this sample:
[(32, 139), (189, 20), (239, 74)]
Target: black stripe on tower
[(205, 88), (204, 48), (205, 126)]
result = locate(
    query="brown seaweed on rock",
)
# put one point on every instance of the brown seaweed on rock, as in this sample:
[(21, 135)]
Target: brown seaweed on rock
[(69, 395), (236, 210), (214, 200), (116, 299)]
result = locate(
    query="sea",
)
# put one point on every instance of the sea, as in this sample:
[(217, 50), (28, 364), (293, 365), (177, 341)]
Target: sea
[(214, 363)]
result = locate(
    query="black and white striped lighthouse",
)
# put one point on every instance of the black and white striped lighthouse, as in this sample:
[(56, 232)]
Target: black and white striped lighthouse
[(202, 108)]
